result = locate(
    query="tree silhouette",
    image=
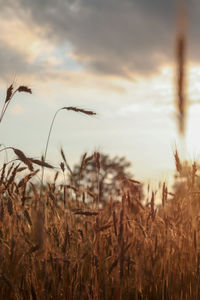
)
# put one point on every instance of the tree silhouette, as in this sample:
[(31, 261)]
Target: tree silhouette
[(110, 173)]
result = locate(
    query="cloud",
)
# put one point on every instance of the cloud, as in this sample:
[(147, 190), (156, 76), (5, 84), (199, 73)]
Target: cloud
[(110, 37), (12, 61)]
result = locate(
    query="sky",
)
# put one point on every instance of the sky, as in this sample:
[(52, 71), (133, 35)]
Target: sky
[(114, 57)]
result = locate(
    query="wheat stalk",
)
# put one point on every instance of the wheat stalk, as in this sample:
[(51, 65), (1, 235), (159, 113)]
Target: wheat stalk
[(10, 94), (68, 108)]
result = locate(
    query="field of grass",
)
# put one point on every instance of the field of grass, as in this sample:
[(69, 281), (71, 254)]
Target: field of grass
[(58, 241)]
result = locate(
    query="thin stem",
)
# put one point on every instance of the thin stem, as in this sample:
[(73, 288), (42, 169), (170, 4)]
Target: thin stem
[(47, 143), (2, 111), (5, 106), (46, 148), (6, 148)]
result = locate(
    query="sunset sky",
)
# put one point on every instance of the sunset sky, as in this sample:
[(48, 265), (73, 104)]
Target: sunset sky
[(111, 56)]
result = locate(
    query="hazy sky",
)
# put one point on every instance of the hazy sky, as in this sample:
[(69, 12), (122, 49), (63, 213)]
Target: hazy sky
[(111, 56)]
